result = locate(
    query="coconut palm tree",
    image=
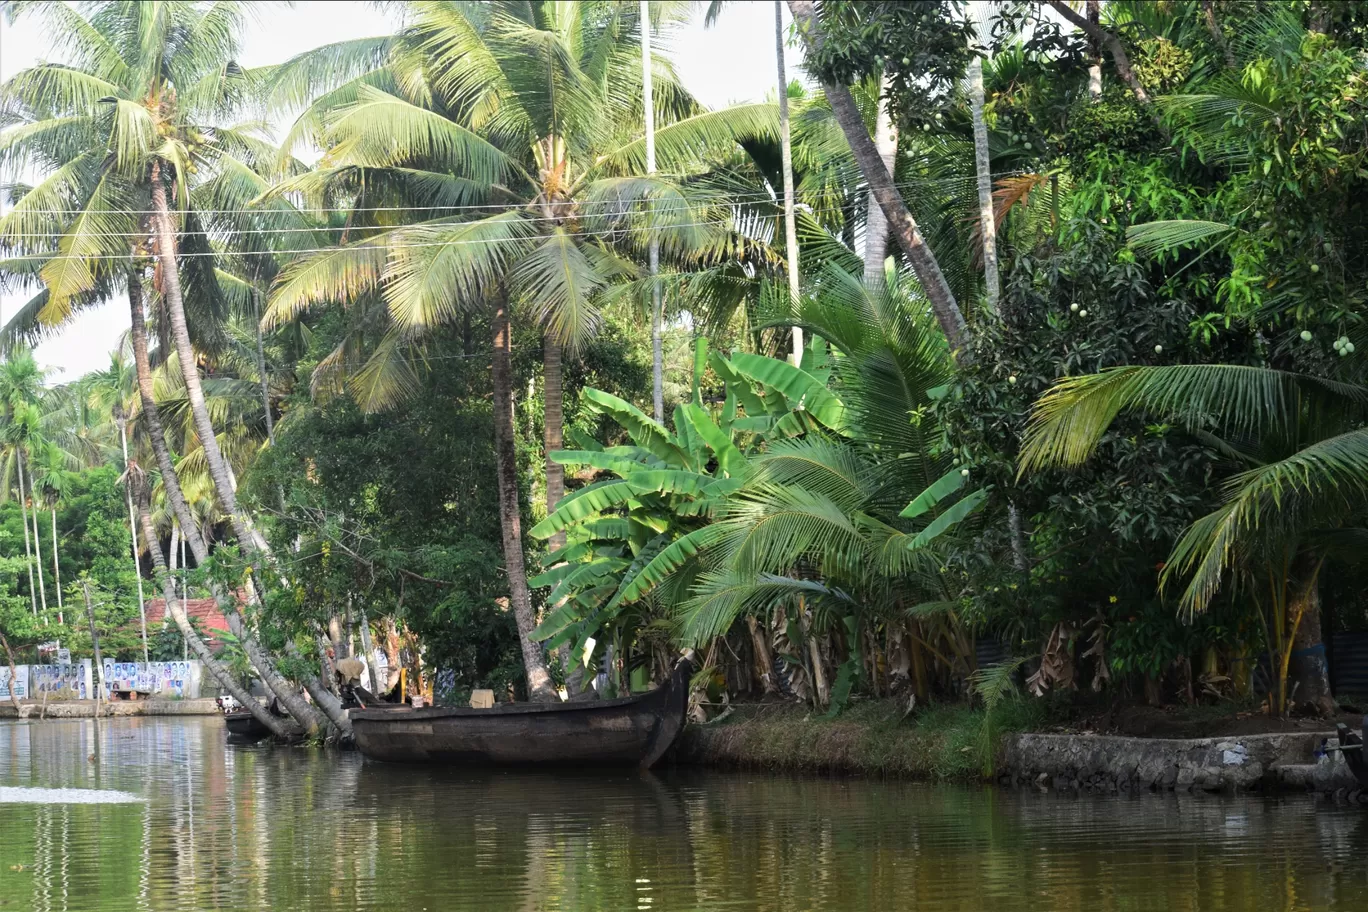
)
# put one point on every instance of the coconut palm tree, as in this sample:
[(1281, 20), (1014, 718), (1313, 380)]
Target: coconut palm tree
[(135, 118), (904, 227), (51, 481), (511, 135), (1297, 447)]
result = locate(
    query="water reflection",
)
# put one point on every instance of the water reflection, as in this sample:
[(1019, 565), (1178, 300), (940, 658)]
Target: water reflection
[(258, 828)]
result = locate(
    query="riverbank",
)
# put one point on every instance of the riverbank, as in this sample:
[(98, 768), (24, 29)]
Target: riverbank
[(953, 744), (85, 709)]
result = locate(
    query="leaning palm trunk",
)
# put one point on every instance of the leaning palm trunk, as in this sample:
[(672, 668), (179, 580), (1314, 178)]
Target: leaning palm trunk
[(903, 226), (219, 471), (538, 679), (294, 705), (786, 161), (28, 548), (174, 608)]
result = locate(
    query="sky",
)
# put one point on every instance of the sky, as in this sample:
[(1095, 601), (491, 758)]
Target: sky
[(731, 62)]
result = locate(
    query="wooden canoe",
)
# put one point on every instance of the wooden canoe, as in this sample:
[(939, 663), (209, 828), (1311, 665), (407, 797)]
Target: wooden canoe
[(632, 731), (244, 726)]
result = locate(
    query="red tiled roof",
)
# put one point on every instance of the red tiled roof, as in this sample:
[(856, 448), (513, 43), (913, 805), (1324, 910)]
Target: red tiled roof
[(206, 611)]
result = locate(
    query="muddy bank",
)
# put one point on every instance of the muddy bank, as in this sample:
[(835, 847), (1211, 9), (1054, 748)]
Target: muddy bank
[(85, 709), (952, 744)]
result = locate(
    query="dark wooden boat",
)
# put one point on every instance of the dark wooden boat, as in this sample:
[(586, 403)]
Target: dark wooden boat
[(632, 731), (244, 726)]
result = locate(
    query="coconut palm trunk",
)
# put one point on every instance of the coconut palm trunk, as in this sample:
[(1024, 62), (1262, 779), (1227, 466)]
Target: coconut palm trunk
[(903, 226), (57, 567), (786, 157), (289, 698), (38, 547), (653, 251), (220, 473), (987, 223), (876, 226), (538, 679), (28, 548), (174, 608), (132, 517), (554, 430)]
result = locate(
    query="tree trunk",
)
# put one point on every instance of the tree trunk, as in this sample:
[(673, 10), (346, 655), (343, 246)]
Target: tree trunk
[(653, 253), (224, 487), (554, 430), (94, 646), (128, 484), (57, 568), (219, 472), (368, 649), (28, 549), (261, 369), (1113, 44), (987, 222), (763, 661), (1308, 672), (38, 549), (1209, 14), (538, 680), (876, 226), (392, 661), (786, 160), (904, 228), (174, 607), (1094, 9), (294, 705), (14, 674)]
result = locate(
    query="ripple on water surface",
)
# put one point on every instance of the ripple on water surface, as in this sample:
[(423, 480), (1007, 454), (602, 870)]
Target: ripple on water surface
[(202, 825)]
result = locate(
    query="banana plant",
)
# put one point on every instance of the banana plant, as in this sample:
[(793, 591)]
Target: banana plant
[(634, 536)]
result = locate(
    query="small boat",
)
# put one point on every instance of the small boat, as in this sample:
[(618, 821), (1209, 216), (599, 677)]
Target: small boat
[(244, 726), (631, 731)]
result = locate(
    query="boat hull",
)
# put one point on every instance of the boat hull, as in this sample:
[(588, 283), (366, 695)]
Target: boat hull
[(244, 726), (630, 732)]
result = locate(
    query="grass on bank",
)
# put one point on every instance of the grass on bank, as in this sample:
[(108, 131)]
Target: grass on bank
[(873, 738)]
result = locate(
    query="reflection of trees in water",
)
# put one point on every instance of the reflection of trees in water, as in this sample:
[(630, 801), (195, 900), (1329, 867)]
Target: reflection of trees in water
[(263, 828)]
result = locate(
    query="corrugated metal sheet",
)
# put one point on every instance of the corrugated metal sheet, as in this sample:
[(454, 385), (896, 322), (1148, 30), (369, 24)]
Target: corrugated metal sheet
[(1349, 664)]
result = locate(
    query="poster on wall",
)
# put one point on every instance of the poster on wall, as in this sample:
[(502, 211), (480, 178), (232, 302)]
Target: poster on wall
[(61, 682), (20, 682), (172, 680)]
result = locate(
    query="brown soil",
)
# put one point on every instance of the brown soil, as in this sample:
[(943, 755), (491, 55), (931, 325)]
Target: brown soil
[(1204, 722)]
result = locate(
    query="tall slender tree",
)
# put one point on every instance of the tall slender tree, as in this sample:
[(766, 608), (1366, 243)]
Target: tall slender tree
[(786, 161)]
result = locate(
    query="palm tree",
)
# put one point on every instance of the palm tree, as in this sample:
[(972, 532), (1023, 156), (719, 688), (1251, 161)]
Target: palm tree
[(519, 162), (904, 227), (21, 391), (51, 480), (786, 158), (1299, 445), (115, 389), (133, 120)]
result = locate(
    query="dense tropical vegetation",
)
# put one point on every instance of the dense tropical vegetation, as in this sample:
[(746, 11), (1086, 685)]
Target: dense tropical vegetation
[(527, 375)]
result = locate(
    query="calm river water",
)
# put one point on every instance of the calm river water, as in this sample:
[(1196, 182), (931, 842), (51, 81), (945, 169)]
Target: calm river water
[(161, 814)]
